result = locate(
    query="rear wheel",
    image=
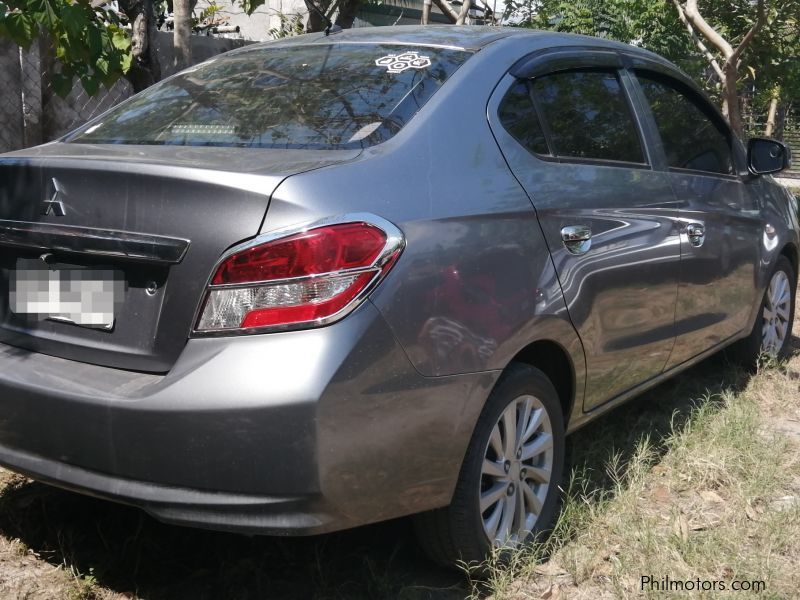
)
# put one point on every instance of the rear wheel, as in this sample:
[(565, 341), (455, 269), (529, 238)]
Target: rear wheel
[(507, 493), (772, 330)]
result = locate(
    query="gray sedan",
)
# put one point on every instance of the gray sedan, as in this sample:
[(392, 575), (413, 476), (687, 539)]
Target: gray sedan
[(331, 280)]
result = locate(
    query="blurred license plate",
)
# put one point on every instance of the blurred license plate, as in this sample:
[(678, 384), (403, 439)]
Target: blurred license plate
[(81, 296)]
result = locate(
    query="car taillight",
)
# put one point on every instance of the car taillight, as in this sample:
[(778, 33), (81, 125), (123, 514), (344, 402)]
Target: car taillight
[(302, 278)]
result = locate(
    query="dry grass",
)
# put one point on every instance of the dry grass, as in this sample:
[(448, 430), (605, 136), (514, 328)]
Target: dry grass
[(699, 478)]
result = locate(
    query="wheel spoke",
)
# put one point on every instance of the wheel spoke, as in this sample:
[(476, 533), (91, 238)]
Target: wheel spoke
[(538, 474), (532, 500), (541, 443), (492, 495), (519, 510), (522, 421), (508, 520), (492, 468), (535, 422), (491, 524), (509, 431), (496, 442)]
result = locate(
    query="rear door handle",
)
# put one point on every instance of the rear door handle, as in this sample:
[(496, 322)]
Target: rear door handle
[(577, 238), (696, 232)]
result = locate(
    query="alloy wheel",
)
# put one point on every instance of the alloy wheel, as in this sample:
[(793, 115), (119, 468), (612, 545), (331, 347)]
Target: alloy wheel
[(516, 472), (777, 309)]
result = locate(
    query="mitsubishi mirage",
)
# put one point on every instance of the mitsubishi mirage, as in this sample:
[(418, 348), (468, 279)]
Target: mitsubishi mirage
[(326, 281)]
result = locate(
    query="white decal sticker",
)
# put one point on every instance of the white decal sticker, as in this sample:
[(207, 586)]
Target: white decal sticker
[(397, 63)]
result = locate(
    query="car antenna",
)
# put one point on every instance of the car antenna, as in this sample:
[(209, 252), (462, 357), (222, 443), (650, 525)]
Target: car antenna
[(330, 28)]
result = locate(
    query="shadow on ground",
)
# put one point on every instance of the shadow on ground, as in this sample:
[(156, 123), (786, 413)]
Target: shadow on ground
[(128, 552)]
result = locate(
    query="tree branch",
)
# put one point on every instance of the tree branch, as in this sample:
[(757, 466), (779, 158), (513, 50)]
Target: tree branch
[(447, 10), (703, 48), (426, 12), (760, 20), (700, 24), (462, 16)]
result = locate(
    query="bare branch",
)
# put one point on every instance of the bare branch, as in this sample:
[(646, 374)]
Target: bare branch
[(760, 20), (426, 12), (462, 16), (447, 10), (700, 24), (703, 48)]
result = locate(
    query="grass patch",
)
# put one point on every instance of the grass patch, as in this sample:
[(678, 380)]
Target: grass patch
[(713, 498)]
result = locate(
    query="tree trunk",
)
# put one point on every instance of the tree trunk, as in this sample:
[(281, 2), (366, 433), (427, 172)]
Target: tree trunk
[(780, 121), (182, 15), (769, 129), (145, 69), (426, 12), (348, 10), (315, 22), (732, 98)]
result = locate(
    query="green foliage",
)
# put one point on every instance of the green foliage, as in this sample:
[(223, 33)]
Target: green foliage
[(290, 25), (250, 6), (90, 43)]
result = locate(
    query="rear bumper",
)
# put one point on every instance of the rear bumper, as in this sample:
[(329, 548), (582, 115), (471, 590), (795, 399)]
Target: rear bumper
[(291, 433)]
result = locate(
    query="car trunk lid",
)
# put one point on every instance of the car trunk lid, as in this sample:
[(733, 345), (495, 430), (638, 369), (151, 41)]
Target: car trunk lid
[(157, 218)]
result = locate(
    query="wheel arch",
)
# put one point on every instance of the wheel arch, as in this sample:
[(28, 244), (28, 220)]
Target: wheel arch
[(789, 250), (555, 362)]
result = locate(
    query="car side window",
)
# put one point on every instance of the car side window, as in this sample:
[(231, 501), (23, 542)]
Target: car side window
[(518, 116), (692, 139), (581, 114)]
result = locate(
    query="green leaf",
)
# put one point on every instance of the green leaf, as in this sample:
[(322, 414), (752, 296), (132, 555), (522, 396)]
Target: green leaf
[(74, 20), (250, 6), (120, 39), (20, 28), (62, 84), (102, 66), (44, 12), (90, 84), (126, 62)]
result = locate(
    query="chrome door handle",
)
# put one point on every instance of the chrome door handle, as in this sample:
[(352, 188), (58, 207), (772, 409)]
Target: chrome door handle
[(696, 232), (577, 238)]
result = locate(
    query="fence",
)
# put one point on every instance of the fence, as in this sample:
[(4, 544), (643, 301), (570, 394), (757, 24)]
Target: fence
[(32, 113)]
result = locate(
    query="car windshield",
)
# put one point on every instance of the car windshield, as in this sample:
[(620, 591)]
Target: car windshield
[(325, 96)]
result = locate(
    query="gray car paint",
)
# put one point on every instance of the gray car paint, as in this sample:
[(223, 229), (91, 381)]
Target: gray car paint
[(368, 418)]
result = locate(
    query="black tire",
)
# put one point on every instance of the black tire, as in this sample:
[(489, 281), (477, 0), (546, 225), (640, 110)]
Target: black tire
[(456, 533), (749, 350)]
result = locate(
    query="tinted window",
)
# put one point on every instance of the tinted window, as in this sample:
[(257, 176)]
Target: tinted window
[(321, 96), (691, 139), (518, 116), (586, 115)]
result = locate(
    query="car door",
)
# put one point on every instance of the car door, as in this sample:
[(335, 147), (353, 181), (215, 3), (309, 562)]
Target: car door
[(570, 135), (721, 221)]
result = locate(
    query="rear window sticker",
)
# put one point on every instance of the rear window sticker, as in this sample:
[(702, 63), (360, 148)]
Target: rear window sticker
[(397, 63)]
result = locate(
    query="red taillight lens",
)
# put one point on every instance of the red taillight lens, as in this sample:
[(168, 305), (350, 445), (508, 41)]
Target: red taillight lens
[(321, 250), (303, 279)]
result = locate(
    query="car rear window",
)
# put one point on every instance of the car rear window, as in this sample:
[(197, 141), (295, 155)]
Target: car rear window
[(326, 96)]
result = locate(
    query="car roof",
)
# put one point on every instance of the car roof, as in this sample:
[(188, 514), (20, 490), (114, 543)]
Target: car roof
[(466, 37)]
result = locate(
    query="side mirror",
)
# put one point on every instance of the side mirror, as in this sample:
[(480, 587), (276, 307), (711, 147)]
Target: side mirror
[(767, 156)]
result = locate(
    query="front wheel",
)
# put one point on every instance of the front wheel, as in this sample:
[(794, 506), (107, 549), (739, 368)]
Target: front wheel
[(772, 331), (508, 487)]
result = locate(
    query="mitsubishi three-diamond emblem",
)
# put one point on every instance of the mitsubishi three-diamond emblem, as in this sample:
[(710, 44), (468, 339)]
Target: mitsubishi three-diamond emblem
[(397, 63), (54, 204)]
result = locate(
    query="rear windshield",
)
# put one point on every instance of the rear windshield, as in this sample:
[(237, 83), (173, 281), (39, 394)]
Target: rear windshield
[(327, 96)]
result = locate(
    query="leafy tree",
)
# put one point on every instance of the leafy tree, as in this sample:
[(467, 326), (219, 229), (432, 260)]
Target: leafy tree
[(90, 43), (723, 44)]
